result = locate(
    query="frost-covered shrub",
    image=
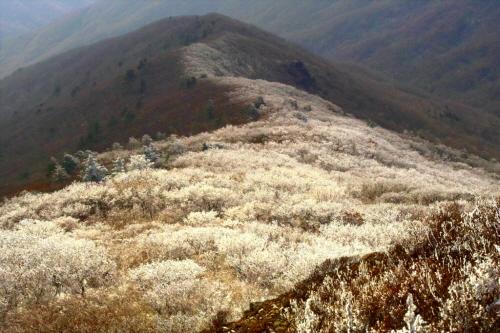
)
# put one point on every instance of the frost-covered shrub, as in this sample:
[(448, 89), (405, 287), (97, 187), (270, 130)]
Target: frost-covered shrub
[(38, 261), (116, 146), (201, 218), (67, 223), (133, 143), (146, 140), (471, 296), (305, 213), (139, 162), (300, 116), (168, 284), (304, 320), (201, 197), (273, 257), (165, 272), (174, 244), (106, 310), (173, 288)]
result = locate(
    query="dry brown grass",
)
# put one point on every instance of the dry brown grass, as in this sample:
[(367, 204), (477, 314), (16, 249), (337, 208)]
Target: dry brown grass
[(106, 311)]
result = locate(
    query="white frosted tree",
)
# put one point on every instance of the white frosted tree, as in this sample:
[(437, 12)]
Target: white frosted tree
[(39, 260), (139, 162), (118, 166), (93, 172), (151, 153)]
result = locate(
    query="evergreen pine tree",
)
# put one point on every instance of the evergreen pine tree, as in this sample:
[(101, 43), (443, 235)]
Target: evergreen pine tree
[(146, 140), (59, 175), (93, 172), (118, 166), (70, 163)]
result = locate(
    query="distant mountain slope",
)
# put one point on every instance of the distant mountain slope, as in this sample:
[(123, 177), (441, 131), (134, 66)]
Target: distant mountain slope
[(21, 16), (448, 48), (101, 20), (104, 93), (93, 96)]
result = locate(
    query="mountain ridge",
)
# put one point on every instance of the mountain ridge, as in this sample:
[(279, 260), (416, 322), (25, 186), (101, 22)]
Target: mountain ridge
[(92, 96), (456, 61)]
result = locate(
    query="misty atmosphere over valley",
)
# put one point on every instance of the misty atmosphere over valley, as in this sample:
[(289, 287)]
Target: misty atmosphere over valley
[(286, 166)]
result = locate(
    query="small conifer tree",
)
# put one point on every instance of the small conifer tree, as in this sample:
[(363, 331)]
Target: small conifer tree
[(146, 140), (160, 136), (51, 167), (70, 163), (118, 166), (253, 112), (151, 153), (209, 110), (259, 101), (176, 146), (93, 172), (59, 175)]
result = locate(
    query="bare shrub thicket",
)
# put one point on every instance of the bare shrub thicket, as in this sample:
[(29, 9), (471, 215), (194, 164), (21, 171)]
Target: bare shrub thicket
[(239, 215), (450, 271), (40, 262)]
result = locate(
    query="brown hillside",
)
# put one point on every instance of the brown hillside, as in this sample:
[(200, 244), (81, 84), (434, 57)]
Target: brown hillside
[(84, 99), (93, 96), (359, 91), (449, 48)]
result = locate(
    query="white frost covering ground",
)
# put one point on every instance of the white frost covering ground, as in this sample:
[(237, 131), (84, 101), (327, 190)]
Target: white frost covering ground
[(253, 214)]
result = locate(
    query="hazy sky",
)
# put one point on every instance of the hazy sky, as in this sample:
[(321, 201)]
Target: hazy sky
[(20, 16)]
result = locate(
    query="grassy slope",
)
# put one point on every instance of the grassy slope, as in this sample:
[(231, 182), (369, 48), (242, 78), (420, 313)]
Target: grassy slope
[(392, 106)]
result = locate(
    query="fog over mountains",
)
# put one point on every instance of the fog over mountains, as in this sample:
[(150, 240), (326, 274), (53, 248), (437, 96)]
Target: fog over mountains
[(21, 16)]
